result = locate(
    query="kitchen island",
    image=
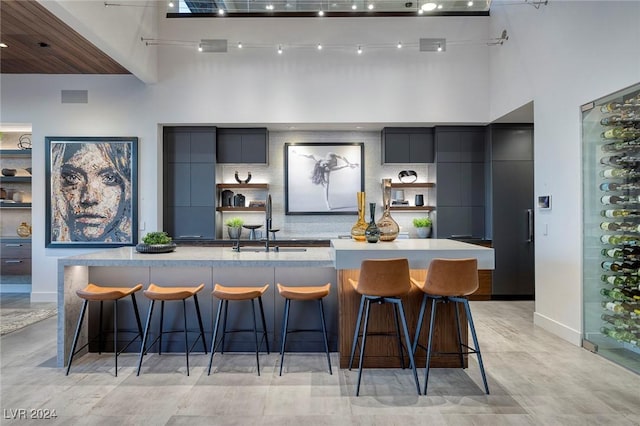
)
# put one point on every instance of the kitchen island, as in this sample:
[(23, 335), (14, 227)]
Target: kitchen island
[(251, 266)]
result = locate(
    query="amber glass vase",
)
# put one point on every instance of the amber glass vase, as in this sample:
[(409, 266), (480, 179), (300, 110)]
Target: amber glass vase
[(388, 227), (357, 231)]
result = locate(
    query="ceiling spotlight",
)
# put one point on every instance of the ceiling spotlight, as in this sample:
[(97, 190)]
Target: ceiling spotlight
[(4, 45), (370, 7), (280, 50), (470, 3), (359, 50), (439, 6), (269, 6), (428, 7), (319, 46), (439, 47), (321, 13), (420, 11), (239, 45), (200, 47), (399, 45), (354, 7), (220, 11), (171, 5)]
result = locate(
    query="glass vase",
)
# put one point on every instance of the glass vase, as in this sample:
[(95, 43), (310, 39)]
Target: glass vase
[(358, 230), (388, 227), (372, 233)]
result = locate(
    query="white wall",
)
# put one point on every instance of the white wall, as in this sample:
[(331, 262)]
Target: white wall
[(254, 86), (561, 56)]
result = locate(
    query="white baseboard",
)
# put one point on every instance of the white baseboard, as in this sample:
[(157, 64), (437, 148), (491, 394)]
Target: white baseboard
[(44, 296), (560, 330)]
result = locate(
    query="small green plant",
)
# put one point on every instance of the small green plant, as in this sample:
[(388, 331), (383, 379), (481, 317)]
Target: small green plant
[(422, 222), (234, 222), (153, 238)]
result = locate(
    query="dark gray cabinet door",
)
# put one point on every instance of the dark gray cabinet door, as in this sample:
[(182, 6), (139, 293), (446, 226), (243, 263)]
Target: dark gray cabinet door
[(243, 146), (407, 145), (189, 182)]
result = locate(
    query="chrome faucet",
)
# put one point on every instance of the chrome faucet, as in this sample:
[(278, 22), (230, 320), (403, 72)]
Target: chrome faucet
[(268, 220)]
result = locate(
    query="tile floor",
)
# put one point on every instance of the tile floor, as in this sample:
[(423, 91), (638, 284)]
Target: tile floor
[(535, 378)]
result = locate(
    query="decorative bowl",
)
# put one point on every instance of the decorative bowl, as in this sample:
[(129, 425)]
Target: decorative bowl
[(155, 248), (8, 172)]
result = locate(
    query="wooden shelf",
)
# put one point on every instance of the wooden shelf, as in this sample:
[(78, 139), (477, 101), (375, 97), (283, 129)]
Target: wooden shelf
[(243, 185), (15, 152), (413, 185), (15, 179), (413, 208), (15, 205), (240, 209)]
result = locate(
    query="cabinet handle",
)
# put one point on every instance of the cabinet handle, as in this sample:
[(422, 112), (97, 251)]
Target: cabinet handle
[(13, 261), (529, 225), (189, 236), (13, 245)]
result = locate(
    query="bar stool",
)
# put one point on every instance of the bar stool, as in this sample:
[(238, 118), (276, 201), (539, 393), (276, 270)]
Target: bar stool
[(450, 280), (164, 294), (96, 293), (309, 293), (225, 294), (381, 281)]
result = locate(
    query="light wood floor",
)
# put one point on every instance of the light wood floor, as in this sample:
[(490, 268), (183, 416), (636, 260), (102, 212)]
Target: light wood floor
[(535, 378)]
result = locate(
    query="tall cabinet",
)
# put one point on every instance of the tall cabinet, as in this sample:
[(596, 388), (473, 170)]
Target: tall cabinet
[(611, 226), (189, 182), (512, 210)]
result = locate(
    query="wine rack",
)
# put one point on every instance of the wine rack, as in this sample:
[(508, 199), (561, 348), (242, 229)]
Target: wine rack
[(611, 169)]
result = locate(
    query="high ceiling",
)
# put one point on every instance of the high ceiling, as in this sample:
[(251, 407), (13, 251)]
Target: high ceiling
[(40, 43)]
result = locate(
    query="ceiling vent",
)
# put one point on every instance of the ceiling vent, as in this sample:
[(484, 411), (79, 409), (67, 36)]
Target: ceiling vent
[(433, 44), (214, 46)]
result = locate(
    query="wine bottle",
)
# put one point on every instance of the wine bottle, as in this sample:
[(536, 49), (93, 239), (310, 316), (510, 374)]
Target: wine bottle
[(620, 160), (619, 173), (619, 199), (621, 293), (621, 133), (620, 213), (622, 307), (621, 335), (619, 280), (616, 107), (625, 118), (620, 226), (614, 186), (615, 320)]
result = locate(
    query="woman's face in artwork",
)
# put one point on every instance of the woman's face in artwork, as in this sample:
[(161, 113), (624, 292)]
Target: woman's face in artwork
[(94, 193)]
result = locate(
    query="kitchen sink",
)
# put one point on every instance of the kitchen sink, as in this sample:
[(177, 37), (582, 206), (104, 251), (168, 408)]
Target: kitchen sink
[(253, 249)]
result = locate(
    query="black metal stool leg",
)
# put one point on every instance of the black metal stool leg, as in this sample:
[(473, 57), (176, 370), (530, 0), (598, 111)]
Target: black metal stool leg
[(186, 334), (115, 334), (137, 313), (264, 323), (434, 304), (77, 334), (161, 324), (285, 321), (213, 338), (100, 341), (324, 334), (400, 350), (356, 331), (363, 344), (224, 324), (423, 305), (255, 333), (407, 339), (459, 330), (143, 348), (204, 343), (475, 343)]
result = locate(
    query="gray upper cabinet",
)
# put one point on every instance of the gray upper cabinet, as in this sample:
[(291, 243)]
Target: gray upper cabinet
[(461, 170), (240, 145), (407, 145), (189, 182)]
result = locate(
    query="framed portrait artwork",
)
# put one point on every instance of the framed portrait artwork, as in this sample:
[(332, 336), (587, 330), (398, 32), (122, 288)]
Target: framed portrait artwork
[(323, 178), (91, 192)]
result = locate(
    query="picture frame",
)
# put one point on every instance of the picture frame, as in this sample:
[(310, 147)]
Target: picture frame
[(91, 191), (323, 178)]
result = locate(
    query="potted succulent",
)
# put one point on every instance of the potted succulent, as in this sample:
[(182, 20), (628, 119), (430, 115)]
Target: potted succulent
[(423, 226), (234, 227), (156, 242)]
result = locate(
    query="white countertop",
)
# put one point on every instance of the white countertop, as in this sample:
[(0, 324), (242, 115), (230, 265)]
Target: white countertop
[(349, 254)]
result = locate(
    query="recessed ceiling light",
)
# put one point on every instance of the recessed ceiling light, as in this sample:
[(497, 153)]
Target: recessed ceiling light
[(470, 3), (399, 45), (269, 7), (4, 45), (200, 48), (439, 47), (428, 7), (221, 12), (279, 50), (321, 13), (420, 12), (439, 6), (319, 46), (239, 45), (359, 50), (370, 7), (354, 6), (171, 5)]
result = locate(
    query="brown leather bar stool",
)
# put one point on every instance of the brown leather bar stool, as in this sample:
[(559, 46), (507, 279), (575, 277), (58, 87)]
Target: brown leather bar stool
[(164, 294), (381, 281), (225, 294), (450, 280), (309, 293), (96, 293)]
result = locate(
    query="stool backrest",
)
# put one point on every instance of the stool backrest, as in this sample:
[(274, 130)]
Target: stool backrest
[(452, 277), (384, 277)]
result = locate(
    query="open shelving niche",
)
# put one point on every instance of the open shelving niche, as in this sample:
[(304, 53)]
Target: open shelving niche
[(237, 186), (413, 186)]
